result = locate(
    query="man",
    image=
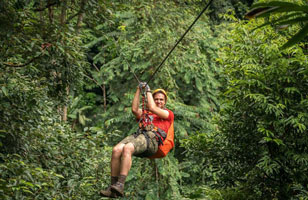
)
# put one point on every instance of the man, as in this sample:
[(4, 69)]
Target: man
[(144, 143)]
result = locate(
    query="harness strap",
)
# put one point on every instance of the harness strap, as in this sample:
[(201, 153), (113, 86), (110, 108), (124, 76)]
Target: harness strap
[(145, 118), (160, 134), (147, 138), (160, 137), (146, 153)]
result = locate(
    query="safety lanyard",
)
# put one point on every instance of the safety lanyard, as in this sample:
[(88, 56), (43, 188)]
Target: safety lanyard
[(145, 118)]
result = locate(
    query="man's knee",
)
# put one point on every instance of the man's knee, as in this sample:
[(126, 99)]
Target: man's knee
[(128, 149), (117, 150)]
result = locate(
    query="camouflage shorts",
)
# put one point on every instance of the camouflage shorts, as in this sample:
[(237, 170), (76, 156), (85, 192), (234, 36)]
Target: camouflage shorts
[(140, 143)]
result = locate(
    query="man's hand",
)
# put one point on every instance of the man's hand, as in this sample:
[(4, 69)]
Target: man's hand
[(143, 85)]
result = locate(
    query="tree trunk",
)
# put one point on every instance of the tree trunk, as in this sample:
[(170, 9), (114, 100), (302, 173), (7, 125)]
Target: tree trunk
[(80, 15), (41, 13), (105, 101), (62, 22), (63, 12), (64, 116), (50, 13)]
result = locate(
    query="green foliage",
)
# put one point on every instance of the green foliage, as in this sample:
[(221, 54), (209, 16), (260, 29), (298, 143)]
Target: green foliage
[(254, 148), (137, 41), (154, 179), (40, 63), (21, 98), (20, 179), (44, 66), (292, 13), (220, 8), (59, 164), (263, 122), (76, 113)]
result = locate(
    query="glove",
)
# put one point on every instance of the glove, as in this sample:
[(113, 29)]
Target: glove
[(143, 85)]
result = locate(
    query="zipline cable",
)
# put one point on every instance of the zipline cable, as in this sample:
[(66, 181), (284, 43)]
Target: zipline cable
[(179, 41), (136, 77)]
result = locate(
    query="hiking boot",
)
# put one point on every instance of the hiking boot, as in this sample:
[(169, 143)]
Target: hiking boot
[(118, 189), (108, 193)]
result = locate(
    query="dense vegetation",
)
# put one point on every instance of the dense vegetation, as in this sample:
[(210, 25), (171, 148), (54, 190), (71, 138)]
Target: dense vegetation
[(66, 86)]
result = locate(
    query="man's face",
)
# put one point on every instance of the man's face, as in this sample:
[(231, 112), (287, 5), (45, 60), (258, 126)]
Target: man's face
[(159, 100)]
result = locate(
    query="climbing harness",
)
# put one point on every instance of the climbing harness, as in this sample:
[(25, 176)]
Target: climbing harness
[(160, 137), (146, 125)]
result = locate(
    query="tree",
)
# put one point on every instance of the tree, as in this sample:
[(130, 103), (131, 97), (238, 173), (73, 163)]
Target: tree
[(136, 42), (41, 59), (260, 146), (290, 14)]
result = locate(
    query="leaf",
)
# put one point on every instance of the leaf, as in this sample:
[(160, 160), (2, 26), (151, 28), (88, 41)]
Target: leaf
[(277, 20), (85, 108), (28, 184), (293, 21), (297, 37), (266, 9), (4, 91), (59, 176), (72, 116), (82, 120), (150, 196), (27, 191), (258, 11), (94, 42), (288, 6), (199, 84), (186, 78), (278, 141)]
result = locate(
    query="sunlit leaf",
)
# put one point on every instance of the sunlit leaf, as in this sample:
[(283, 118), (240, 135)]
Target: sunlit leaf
[(297, 37)]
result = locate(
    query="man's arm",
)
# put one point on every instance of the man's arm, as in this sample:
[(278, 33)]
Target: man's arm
[(164, 114), (135, 105)]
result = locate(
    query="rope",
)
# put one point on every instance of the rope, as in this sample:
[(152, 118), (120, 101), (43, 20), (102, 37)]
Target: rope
[(176, 44), (136, 77)]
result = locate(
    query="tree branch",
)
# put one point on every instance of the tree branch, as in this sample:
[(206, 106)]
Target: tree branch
[(43, 46), (75, 15), (96, 67), (72, 17), (47, 6), (63, 12), (80, 16), (22, 65), (94, 81), (103, 88)]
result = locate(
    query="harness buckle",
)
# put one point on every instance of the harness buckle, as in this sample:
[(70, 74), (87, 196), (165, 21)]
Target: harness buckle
[(149, 127)]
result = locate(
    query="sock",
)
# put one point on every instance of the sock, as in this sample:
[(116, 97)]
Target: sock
[(114, 179), (121, 179)]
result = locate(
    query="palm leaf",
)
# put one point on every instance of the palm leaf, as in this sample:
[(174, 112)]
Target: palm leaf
[(277, 20), (297, 37), (293, 21), (286, 5), (258, 11), (265, 9), (277, 10)]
